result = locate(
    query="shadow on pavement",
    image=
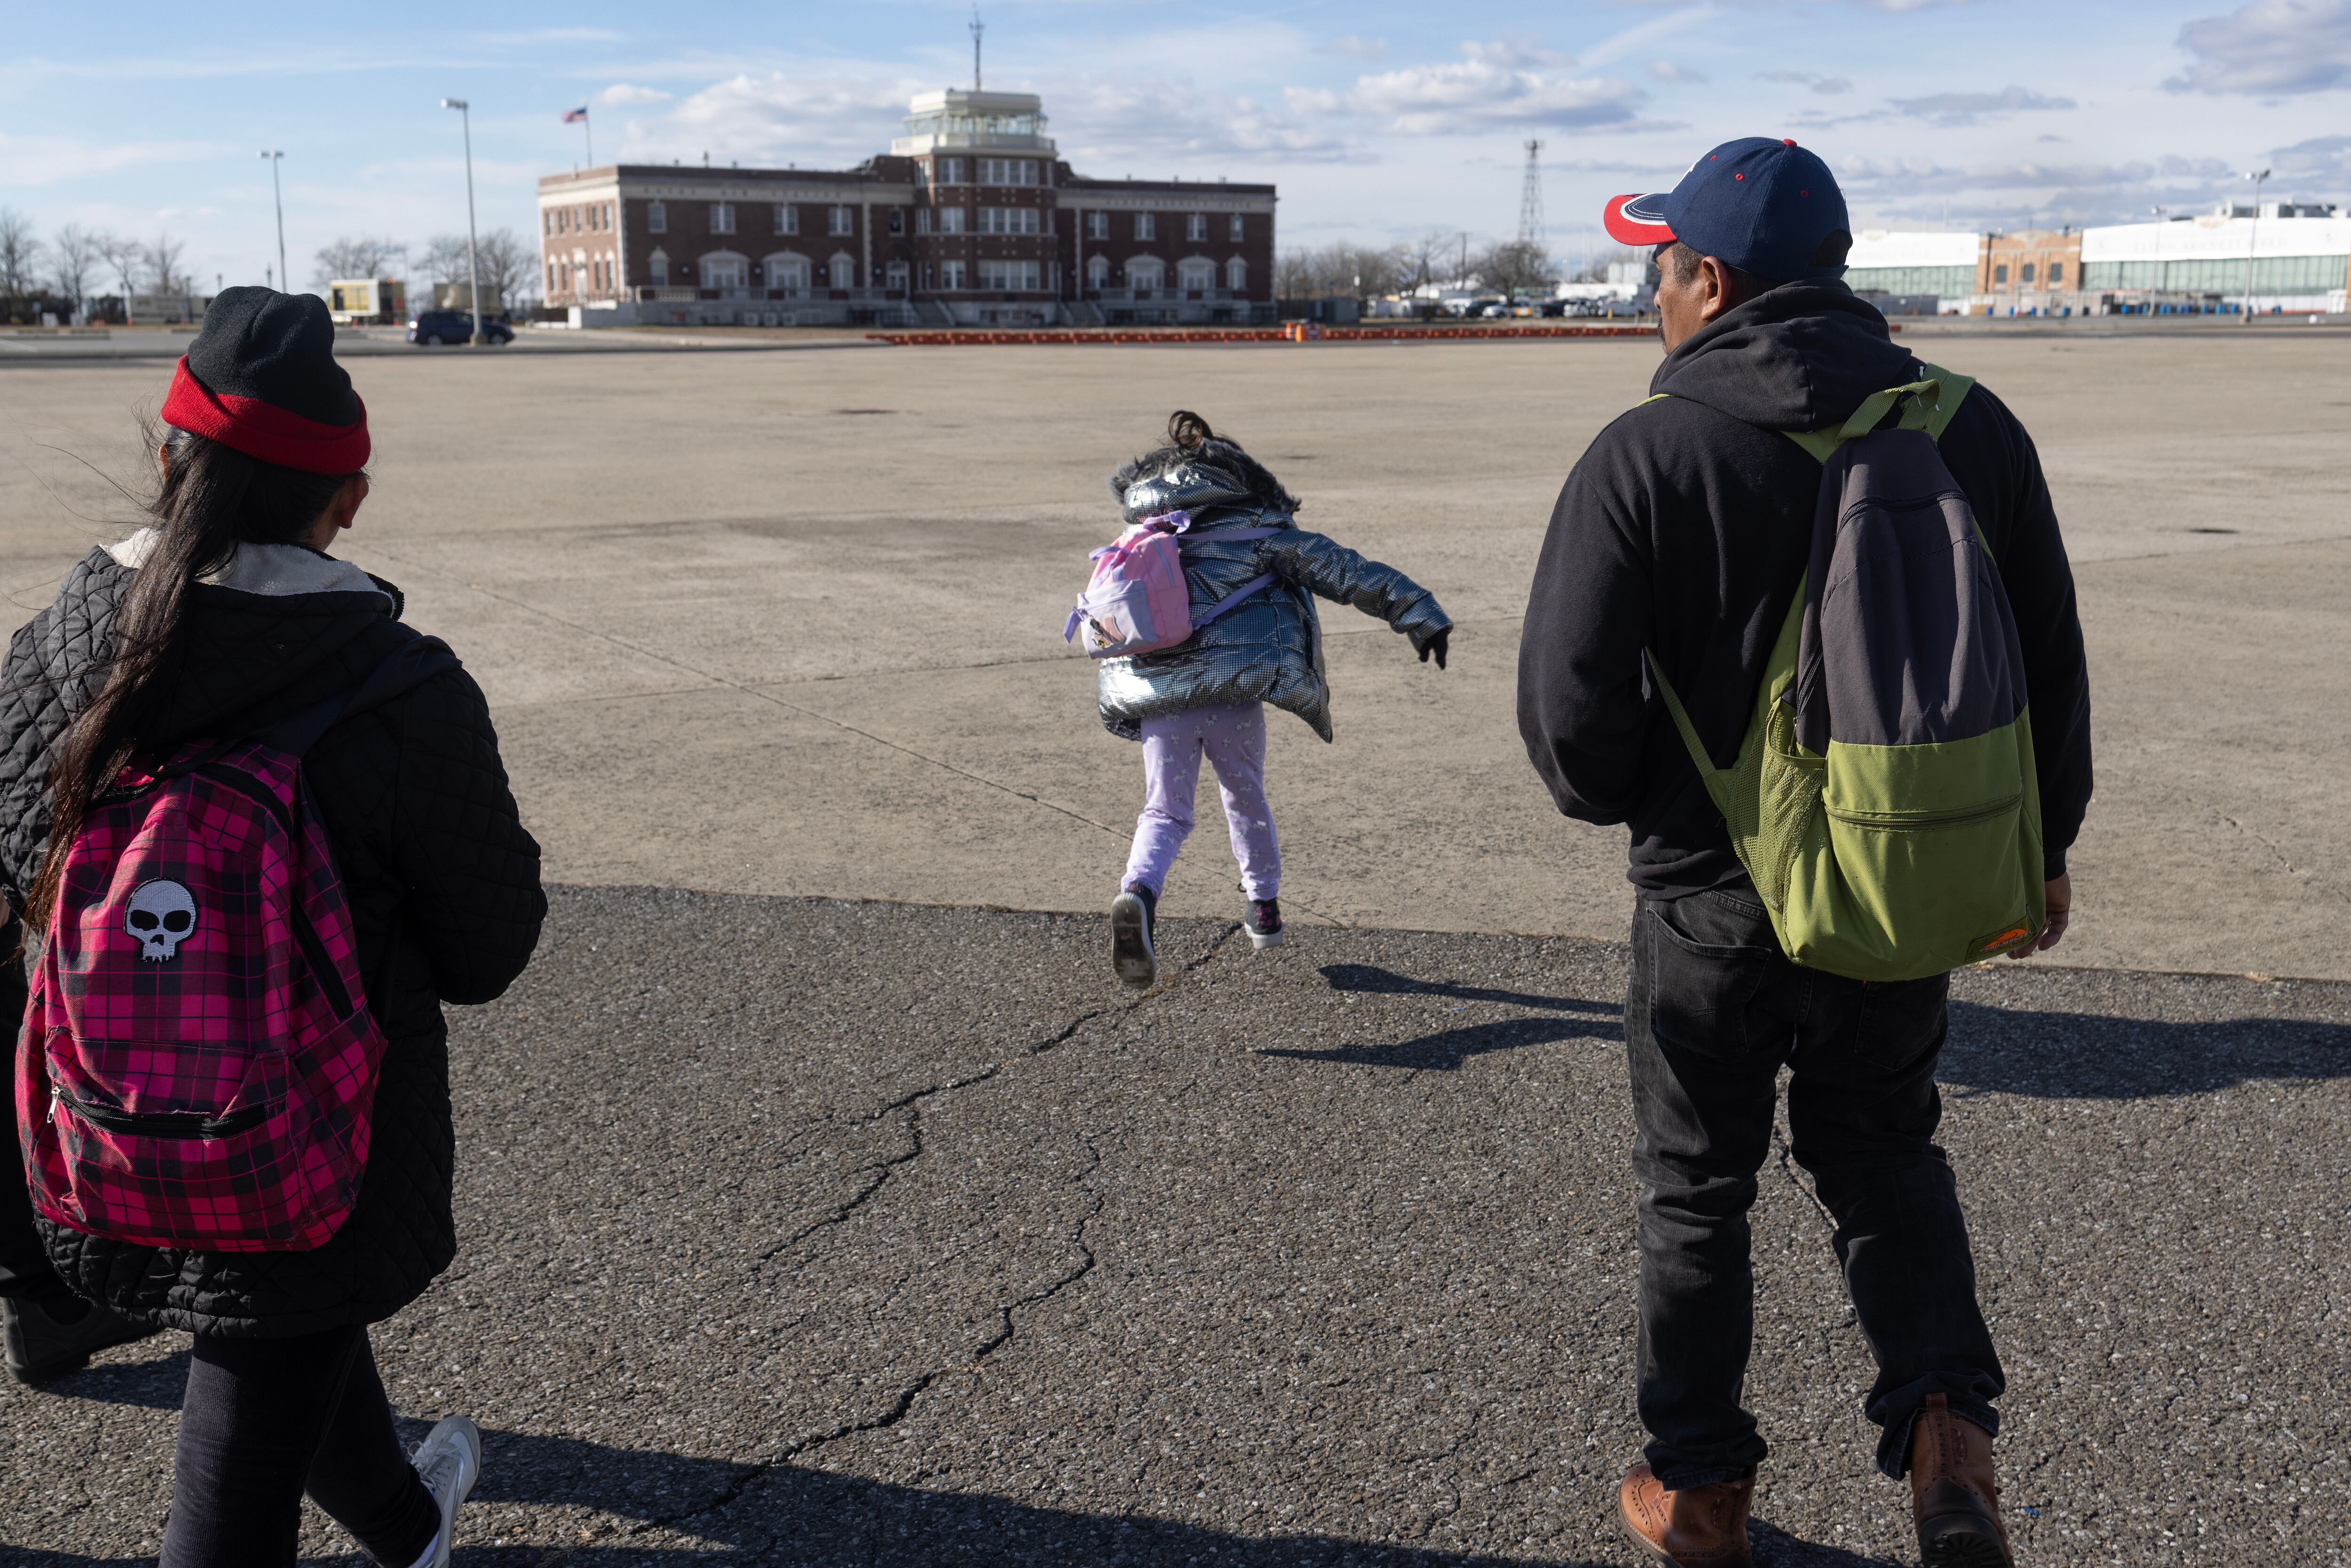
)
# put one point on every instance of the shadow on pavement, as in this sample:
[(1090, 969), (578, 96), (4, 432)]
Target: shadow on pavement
[(2082, 1056), (1445, 1051), (1388, 982)]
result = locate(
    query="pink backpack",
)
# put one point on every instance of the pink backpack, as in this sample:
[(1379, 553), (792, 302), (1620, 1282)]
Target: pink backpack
[(198, 1068), (1137, 600)]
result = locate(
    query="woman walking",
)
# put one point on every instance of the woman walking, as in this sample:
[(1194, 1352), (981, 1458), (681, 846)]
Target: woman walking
[(258, 831)]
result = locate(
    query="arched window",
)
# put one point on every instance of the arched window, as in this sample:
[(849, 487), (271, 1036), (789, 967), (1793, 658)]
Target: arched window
[(725, 269), (1236, 276), (1146, 272), (844, 270), (787, 270), (658, 265), (1196, 272), (1098, 272)]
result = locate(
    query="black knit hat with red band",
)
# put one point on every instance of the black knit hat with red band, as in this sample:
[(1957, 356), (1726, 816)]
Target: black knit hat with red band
[(261, 378)]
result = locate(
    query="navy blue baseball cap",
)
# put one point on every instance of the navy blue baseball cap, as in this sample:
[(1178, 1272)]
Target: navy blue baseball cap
[(1763, 203)]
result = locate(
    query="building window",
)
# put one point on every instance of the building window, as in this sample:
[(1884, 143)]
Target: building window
[(552, 286), (1009, 275), (1236, 276), (951, 273), (725, 271), (1143, 226), (607, 217), (2056, 274), (841, 221), (897, 220), (657, 217), (549, 217), (1999, 273), (787, 219), (787, 272), (1009, 220), (1200, 274), (658, 265), (1097, 226), (2027, 274), (950, 170), (1007, 172), (922, 220), (721, 217), (1233, 227), (893, 277), (951, 220), (1098, 272), (1196, 227), (1146, 272)]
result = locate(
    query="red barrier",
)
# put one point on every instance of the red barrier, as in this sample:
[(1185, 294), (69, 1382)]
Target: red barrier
[(1299, 334)]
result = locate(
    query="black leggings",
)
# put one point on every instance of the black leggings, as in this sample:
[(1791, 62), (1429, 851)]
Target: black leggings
[(267, 1420)]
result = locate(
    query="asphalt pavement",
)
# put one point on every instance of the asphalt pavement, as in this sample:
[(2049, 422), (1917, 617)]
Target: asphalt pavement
[(821, 1232)]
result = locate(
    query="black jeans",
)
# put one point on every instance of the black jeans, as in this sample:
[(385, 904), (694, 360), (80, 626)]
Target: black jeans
[(1716, 1010), (269, 1419)]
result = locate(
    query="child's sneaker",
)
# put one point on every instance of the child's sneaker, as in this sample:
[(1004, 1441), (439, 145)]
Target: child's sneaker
[(1131, 953), (1264, 923)]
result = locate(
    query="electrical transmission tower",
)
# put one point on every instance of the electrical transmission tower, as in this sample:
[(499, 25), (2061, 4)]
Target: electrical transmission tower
[(1530, 218)]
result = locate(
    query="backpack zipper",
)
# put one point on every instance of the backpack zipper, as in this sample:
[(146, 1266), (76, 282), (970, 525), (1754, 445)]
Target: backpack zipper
[(1902, 820), (167, 1123)]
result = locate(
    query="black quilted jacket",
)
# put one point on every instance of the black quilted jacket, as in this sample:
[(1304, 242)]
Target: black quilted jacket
[(444, 883)]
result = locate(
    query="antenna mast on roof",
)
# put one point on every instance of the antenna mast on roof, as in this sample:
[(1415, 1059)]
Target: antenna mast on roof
[(977, 28), (1530, 219)]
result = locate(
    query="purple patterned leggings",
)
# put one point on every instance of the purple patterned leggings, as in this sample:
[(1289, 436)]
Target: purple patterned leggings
[(1233, 736)]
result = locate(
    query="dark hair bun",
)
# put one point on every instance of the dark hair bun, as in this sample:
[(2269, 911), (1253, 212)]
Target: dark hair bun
[(1188, 430)]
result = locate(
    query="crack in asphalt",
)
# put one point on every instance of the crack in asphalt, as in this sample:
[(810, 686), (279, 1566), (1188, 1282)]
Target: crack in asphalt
[(903, 1402)]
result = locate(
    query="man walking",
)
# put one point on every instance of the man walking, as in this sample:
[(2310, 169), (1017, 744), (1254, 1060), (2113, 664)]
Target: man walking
[(1682, 537)]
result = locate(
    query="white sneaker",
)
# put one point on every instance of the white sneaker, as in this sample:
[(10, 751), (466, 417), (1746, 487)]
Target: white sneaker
[(449, 1461)]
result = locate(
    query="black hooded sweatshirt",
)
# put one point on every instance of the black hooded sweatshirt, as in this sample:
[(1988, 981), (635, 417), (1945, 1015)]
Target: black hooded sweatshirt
[(1686, 528)]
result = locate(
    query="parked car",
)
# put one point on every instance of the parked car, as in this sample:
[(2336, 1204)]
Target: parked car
[(455, 326)]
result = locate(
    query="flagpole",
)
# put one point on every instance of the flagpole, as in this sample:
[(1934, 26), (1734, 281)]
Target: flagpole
[(588, 129)]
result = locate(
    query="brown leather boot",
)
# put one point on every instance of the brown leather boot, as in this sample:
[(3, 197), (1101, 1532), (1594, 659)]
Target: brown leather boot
[(1705, 1527), (1953, 1501)]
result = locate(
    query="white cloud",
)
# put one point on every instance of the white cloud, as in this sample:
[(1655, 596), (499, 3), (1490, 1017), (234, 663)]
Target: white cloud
[(1967, 107), (621, 92), (1144, 122), (1354, 48), (776, 118), (1504, 84), (2268, 48), (1827, 86), (1667, 70)]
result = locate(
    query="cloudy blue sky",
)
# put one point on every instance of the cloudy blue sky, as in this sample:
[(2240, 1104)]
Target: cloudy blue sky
[(1378, 121)]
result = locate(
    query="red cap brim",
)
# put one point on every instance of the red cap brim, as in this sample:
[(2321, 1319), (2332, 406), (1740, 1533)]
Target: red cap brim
[(1636, 219)]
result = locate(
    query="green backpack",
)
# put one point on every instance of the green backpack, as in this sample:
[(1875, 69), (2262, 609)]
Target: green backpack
[(1883, 799)]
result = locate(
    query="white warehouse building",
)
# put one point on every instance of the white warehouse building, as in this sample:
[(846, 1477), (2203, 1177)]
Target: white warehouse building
[(2289, 258), (1913, 263)]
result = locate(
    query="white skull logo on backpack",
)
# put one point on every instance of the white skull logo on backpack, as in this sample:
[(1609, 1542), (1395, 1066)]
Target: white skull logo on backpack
[(161, 916)]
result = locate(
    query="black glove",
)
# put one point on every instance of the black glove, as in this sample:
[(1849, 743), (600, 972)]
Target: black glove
[(1436, 645)]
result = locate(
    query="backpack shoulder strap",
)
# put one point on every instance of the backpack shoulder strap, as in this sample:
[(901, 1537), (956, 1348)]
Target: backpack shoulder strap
[(408, 666), (1927, 404)]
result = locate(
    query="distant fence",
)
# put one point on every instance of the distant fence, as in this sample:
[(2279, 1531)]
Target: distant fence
[(1297, 332)]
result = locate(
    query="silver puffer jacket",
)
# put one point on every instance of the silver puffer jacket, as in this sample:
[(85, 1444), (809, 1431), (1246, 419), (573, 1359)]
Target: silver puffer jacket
[(1269, 647)]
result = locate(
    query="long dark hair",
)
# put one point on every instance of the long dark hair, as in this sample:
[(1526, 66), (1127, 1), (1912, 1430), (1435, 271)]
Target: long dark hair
[(212, 499), (1189, 439)]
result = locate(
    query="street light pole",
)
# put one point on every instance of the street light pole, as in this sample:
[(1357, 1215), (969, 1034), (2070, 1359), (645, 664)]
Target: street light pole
[(2251, 234), (278, 192), (472, 245)]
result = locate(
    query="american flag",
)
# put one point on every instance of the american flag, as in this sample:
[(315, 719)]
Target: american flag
[(574, 116)]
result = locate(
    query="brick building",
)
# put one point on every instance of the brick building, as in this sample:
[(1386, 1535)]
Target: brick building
[(969, 219)]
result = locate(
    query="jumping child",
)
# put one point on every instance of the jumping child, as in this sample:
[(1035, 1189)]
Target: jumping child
[(1251, 574)]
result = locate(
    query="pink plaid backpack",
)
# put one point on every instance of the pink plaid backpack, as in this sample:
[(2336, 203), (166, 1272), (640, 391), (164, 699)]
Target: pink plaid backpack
[(199, 1062)]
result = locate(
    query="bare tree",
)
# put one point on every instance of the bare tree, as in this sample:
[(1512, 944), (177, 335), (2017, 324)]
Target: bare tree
[(1431, 258), (1514, 265), (162, 257), (123, 257), (508, 264), (443, 259), (1342, 269), (75, 253), (20, 254), (367, 256)]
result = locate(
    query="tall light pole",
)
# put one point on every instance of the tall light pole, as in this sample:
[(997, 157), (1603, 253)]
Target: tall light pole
[(2251, 233), (278, 192), (472, 247)]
